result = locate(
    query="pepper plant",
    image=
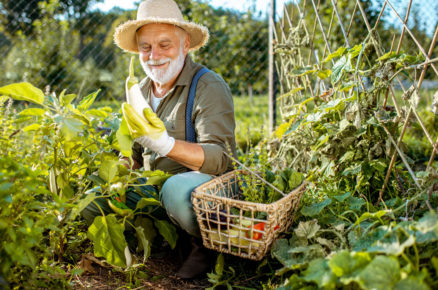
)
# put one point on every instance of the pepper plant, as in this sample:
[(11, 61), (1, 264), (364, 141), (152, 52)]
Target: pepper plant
[(61, 154)]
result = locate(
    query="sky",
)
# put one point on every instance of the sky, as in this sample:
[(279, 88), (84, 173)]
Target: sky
[(261, 5)]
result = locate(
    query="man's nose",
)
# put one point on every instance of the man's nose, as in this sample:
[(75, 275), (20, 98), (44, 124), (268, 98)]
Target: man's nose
[(155, 54)]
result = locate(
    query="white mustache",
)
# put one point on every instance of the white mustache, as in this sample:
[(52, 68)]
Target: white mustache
[(158, 61)]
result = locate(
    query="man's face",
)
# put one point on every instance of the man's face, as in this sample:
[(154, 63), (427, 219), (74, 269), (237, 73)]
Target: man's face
[(162, 50)]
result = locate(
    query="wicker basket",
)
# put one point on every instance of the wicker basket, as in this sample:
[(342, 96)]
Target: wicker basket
[(241, 228)]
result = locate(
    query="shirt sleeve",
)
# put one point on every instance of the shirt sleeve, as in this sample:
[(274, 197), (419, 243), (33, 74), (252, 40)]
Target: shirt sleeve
[(214, 123)]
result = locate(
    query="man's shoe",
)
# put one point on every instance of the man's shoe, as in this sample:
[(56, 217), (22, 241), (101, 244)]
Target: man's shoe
[(199, 261)]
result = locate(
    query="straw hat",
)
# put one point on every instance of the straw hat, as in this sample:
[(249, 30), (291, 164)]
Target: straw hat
[(158, 11)]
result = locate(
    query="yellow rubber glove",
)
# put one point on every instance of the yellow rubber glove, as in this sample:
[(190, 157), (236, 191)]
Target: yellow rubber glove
[(149, 131)]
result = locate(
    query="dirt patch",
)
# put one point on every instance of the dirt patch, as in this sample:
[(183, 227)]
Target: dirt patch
[(157, 273)]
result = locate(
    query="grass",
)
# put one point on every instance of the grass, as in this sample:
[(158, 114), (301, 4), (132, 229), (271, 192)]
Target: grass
[(251, 120)]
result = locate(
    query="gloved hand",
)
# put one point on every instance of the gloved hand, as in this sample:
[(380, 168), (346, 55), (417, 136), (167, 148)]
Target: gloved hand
[(149, 131)]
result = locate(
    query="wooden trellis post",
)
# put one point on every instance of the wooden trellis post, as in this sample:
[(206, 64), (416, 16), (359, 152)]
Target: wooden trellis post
[(272, 72)]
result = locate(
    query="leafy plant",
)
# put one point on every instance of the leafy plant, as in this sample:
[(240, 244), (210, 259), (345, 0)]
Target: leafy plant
[(60, 154)]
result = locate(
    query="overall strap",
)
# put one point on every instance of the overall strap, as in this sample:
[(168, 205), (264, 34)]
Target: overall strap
[(190, 129)]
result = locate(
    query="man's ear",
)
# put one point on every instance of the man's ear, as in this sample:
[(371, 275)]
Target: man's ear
[(186, 46)]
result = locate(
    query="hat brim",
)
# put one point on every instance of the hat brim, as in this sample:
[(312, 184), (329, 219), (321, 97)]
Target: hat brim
[(125, 37)]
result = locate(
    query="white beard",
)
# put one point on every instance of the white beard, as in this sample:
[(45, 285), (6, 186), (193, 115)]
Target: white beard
[(163, 75)]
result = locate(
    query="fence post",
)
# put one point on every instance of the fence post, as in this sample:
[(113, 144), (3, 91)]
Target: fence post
[(272, 72)]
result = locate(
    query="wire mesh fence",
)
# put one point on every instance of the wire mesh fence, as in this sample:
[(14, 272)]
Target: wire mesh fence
[(380, 52), (67, 44)]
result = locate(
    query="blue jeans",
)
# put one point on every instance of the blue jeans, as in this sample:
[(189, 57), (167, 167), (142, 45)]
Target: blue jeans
[(175, 197)]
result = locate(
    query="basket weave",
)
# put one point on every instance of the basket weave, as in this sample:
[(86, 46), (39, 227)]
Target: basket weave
[(229, 224)]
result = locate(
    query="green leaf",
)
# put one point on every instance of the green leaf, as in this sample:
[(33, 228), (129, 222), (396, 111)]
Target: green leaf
[(144, 202), (32, 127), (338, 69), (157, 180), (307, 229), (108, 169), (369, 239), (23, 92), (427, 228), (343, 197), (302, 71), (316, 208), (82, 204), (88, 101), (388, 55), (66, 99), (219, 267), (124, 140), (353, 170), (96, 179), (168, 232), (347, 265), (97, 113), (70, 127), (392, 246), (368, 215), (295, 257), (339, 52), (146, 244), (323, 74), (382, 273), (148, 227), (411, 283), (32, 112), (108, 239), (354, 51), (355, 203), (320, 273)]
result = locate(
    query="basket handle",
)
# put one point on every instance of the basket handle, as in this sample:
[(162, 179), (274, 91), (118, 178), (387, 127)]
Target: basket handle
[(252, 172)]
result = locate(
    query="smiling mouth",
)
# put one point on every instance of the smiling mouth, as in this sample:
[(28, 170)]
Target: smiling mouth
[(158, 65)]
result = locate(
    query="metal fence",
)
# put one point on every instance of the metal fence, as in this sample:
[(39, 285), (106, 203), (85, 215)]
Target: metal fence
[(308, 31), (68, 45)]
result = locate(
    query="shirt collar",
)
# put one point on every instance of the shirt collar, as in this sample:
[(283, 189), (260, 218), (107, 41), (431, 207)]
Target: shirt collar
[(186, 74)]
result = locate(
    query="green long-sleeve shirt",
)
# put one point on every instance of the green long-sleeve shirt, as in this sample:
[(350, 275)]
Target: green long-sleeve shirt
[(213, 119)]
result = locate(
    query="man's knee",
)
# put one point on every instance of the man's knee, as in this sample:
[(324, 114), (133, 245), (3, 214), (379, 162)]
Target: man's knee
[(176, 198)]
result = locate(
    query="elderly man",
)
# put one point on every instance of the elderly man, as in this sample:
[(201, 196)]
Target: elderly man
[(192, 145)]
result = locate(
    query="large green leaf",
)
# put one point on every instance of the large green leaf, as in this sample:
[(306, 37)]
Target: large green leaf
[(32, 112), (320, 273), (109, 169), (295, 257), (108, 239), (427, 228), (307, 229), (168, 231), (382, 273), (392, 246), (23, 92), (347, 265), (70, 127), (144, 202), (316, 208), (369, 239), (411, 283), (124, 140)]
